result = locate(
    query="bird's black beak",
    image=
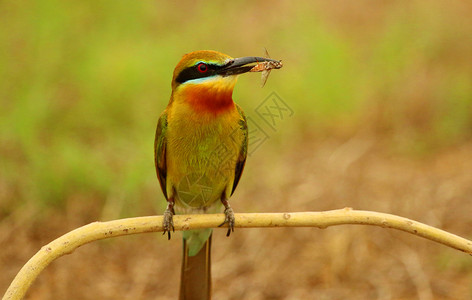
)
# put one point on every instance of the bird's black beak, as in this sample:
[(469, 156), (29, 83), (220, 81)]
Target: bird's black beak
[(242, 65)]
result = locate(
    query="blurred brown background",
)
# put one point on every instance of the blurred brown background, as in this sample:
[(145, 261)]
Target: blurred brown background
[(380, 95)]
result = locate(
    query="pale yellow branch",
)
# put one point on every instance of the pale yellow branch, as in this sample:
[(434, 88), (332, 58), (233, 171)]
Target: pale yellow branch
[(101, 230)]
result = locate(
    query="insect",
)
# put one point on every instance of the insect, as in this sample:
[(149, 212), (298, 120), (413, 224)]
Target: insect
[(265, 67)]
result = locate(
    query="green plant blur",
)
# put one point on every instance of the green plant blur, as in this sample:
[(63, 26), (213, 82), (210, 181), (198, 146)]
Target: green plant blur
[(82, 83)]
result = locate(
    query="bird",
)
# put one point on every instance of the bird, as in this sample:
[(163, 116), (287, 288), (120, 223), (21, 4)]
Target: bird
[(200, 150)]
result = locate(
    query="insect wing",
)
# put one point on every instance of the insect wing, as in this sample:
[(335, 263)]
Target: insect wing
[(264, 76)]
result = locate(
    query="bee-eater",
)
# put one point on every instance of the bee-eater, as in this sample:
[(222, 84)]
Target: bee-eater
[(200, 151)]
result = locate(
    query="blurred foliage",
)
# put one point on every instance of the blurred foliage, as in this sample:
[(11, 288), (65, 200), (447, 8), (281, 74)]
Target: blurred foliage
[(82, 83)]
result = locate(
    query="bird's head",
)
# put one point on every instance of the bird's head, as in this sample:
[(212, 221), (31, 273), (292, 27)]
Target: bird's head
[(205, 79)]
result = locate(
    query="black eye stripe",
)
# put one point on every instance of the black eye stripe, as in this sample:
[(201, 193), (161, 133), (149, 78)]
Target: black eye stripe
[(193, 73)]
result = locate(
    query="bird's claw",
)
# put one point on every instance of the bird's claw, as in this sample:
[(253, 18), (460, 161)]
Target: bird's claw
[(168, 223), (229, 219)]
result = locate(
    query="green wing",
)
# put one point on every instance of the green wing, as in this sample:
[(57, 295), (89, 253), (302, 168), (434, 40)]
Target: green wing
[(160, 143), (241, 161)]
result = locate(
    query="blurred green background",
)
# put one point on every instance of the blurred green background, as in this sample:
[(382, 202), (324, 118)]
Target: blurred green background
[(82, 84)]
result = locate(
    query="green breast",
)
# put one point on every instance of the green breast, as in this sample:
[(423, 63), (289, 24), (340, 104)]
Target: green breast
[(201, 156)]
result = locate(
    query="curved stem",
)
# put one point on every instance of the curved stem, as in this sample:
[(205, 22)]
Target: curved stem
[(67, 243)]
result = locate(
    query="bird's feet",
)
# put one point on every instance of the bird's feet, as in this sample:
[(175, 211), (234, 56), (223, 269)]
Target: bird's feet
[(229, 217), (168, 223)]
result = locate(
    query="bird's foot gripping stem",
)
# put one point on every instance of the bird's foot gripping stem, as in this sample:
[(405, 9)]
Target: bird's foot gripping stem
[(229, 217), (168, 223)]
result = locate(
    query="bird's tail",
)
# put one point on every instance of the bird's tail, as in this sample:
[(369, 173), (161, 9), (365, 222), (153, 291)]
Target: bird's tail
[(195, 280)]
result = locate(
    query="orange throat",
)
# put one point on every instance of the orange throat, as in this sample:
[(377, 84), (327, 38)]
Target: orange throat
[(208, 99), (212, 96)]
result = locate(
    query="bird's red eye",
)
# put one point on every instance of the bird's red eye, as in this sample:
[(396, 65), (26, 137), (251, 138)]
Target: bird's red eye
[(202, 68)]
